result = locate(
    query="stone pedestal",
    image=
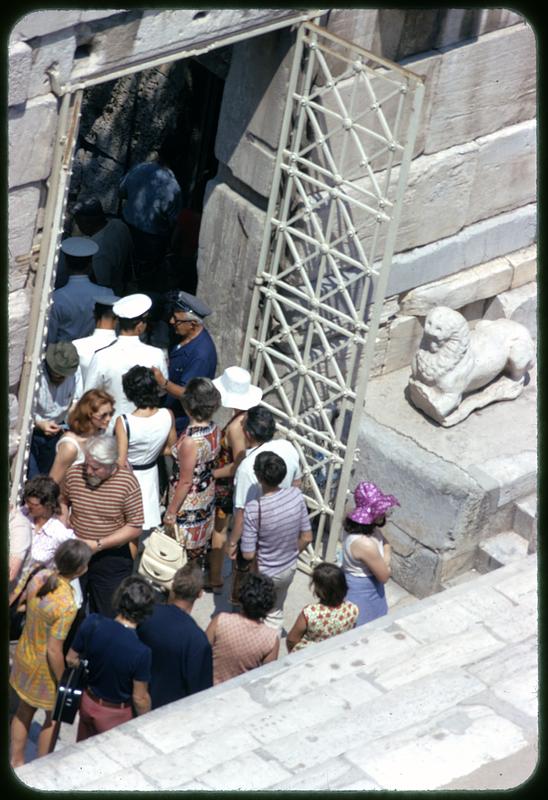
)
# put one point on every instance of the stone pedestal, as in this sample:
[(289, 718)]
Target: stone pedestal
[(457, 486)]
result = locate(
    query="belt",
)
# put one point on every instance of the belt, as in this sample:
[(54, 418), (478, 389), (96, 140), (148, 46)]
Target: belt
[(105, 703), (145, 466)]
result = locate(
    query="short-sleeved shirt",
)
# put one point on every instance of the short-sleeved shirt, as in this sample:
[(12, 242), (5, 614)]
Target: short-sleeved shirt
[(246, 485), (116, 657), (283, 518), (323, 622), (240, 644), (181, 654), (47, 539), (100, 511), (110, 363), (53, 401), (195, 359)]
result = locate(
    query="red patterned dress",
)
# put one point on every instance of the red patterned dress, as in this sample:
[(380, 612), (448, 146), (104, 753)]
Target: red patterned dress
[(323, 622)]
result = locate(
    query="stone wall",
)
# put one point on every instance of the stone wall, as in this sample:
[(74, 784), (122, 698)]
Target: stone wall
[(471, 196)]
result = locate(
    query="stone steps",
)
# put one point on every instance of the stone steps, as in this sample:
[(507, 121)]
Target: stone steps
[(500, 550), (525, 519)]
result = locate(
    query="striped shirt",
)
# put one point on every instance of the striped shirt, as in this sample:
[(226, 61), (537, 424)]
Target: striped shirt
[(283, 518), (98, 512)]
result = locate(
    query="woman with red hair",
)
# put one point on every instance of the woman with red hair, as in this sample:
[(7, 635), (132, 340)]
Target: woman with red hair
[(90, 416)]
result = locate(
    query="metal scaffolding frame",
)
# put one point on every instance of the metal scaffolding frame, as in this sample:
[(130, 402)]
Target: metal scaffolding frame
[(345, 149)]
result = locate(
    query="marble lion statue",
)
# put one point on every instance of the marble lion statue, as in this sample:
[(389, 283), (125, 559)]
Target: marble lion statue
[(453, 361)]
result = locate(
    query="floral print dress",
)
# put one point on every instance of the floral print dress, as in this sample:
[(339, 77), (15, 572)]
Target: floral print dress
[(323, 622), (196, 515)]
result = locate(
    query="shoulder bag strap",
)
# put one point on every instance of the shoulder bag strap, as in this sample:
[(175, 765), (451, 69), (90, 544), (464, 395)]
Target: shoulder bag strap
[(126, 426), (22, 591)]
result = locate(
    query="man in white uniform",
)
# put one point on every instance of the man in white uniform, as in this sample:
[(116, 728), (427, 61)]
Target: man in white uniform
[(259, 428), (109, 365), (105, 329)]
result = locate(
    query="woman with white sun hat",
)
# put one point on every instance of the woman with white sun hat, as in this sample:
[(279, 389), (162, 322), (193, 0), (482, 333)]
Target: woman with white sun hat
[(239, 394)]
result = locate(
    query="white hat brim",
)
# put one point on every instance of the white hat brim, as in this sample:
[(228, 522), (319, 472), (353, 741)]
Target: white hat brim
[(242, 402)]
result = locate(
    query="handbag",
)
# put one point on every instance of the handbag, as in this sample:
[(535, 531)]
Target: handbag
[(69, 692), (161, 559), (71, 687)]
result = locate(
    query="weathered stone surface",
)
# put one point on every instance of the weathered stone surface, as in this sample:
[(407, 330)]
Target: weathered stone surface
[(20, 59), (13, 434), (462, 23), (149, 33), (524, 263), (478, 734), (404, 334), (525, 516), (433, 207), (54, 52), (41, 23), (464, 109), (230, 241), (18, 320), (31, 139), (519, 305), (455, 291), (499, 550), (473, 311), (475, 244), (516, 474), (23, 204), (417, 568), (505, 176), (439, 509), (252, 108)]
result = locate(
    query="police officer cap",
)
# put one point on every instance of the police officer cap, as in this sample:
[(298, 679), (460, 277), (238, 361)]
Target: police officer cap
[(105, 296), (132, 306), (79, 246), (183, 301)]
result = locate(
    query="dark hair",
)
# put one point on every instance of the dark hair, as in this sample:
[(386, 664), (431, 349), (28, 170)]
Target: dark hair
[(329, 584), (141, 388), (201, 399), (45, 489), (134, 599), (361, 527), (188, 582), (126, 324), (270, 468), (100, 311), (257, 595), (260, 424), (170, 149), (80, 264), (70, 556)]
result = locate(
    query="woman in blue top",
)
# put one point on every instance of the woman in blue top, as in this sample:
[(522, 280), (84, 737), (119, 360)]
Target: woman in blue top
[(119, 663)]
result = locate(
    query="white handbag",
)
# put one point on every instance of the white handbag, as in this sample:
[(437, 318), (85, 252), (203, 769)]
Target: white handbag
[(161, 558)]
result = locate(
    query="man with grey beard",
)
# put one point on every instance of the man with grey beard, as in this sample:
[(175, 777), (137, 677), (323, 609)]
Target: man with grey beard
[(102, 503)]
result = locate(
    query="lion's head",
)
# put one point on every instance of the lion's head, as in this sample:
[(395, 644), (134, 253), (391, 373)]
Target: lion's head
[(444, 344)]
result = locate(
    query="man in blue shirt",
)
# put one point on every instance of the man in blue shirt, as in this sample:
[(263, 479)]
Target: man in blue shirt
[(181, 654), (194, 356)]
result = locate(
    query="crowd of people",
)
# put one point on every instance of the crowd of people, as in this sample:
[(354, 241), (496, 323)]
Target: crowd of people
[(125, 440)]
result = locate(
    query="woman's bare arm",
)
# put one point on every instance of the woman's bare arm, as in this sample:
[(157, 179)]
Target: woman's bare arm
[(297, 632)]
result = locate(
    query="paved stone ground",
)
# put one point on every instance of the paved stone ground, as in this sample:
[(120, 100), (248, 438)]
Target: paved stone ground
[(439, 693)]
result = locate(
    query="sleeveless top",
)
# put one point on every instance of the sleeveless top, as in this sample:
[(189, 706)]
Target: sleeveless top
[(351, 565), (67, 437)]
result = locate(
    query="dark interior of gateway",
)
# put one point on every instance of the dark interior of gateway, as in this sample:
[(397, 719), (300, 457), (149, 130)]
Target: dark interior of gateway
[(124, 122)]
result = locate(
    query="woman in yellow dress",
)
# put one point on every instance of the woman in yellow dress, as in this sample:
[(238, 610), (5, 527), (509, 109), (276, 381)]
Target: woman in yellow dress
[(38, 662)]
